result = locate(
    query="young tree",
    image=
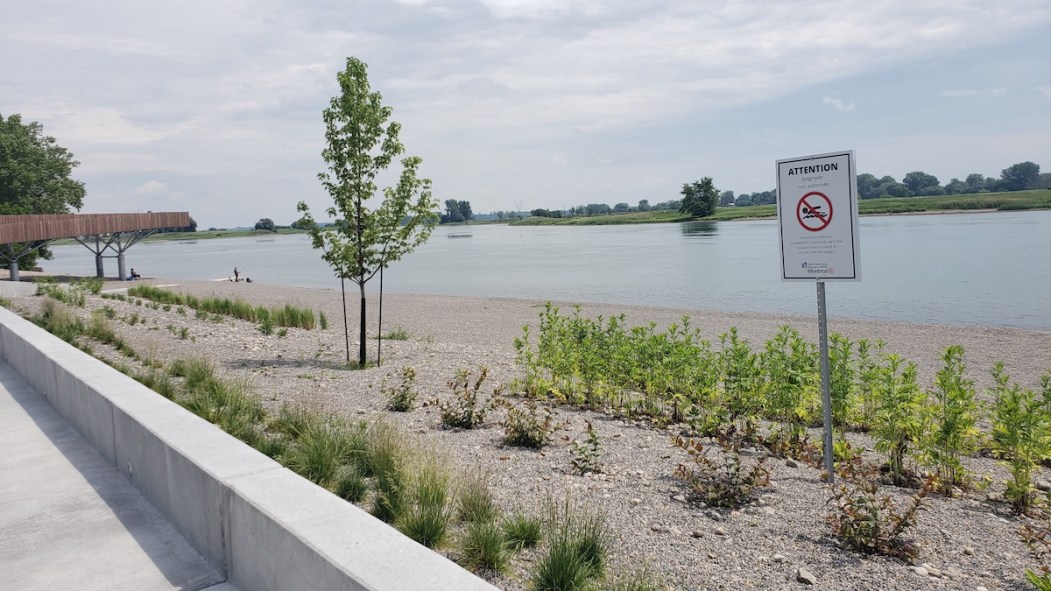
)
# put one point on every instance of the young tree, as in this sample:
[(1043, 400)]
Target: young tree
[(361, 144), (699, 198), (34, 178)]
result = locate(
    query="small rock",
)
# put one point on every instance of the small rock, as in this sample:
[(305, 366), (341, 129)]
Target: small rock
[(980, 588), (659, 529), (636, 501), (919, 570), (1044, 485), (779, 558), (697, 533), (711, 555), (792, 464), (720, 531), (680, 498), (505, 458), (954, 573), (934, 572), (804, 576), (968, 550)]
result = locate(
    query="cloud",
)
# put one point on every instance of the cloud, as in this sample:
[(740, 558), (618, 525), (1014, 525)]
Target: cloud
[(1044, 90), (975, 92), (151, 188), (838, 103)]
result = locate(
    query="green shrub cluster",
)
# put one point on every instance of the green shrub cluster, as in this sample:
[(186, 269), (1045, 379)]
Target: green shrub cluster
[(287, 316), (770, 395)]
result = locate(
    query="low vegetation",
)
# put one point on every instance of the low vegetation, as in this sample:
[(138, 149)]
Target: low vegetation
[(286, 316)]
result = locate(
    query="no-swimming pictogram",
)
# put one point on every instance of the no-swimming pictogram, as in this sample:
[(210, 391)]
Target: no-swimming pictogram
[(814, 211)]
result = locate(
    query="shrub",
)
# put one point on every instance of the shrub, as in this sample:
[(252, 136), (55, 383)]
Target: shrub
[(871, 524), (465, 410), (723, 482), (526, 427), (400, 398), (266, 327)]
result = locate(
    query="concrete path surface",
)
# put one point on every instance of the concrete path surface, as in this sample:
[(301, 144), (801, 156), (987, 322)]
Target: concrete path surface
[(68, 520)]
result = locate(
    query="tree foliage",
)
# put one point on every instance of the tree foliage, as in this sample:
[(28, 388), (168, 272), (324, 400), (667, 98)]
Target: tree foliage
[(1019, 177), (361, 144), (35, 176), (457, 211), (265, 224), (699, 198)]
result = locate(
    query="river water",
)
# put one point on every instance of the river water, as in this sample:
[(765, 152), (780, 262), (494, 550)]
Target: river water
[(989, 269)]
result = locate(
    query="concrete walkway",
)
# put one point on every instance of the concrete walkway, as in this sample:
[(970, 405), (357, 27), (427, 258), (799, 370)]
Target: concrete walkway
[(68, 520)]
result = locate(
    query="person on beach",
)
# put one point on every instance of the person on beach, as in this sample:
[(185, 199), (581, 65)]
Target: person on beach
[(134, 276), (237, 275)]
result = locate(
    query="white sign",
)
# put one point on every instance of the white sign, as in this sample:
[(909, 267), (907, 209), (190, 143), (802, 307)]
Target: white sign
[(817, 211)]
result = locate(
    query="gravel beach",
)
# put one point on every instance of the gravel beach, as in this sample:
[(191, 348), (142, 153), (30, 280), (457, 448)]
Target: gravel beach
[(965, 543)]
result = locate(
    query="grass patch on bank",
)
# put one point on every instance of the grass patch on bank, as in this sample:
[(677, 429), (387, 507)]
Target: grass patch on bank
[(285, 316)]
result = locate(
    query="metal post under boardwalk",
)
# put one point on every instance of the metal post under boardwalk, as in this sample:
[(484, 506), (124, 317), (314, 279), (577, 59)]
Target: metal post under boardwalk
[(826, 395)]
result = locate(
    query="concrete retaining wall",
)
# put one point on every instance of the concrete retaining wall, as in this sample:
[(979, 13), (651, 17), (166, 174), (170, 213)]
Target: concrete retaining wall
[(260, 524)]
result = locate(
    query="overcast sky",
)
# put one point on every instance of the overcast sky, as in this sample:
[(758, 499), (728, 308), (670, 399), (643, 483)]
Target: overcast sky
[(214, 106)]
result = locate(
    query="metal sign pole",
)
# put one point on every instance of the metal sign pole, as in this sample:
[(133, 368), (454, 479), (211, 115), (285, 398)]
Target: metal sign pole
[(826, 395)]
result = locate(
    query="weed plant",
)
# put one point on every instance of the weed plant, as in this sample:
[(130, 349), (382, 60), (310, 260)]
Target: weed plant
[(401, 398), (954, 422), (466, 409), (721, 482), (528, 427), (397, 333), (586, 454), (1021, 435), (900, 421), (872, 524), (790, 366), (1037, 536)]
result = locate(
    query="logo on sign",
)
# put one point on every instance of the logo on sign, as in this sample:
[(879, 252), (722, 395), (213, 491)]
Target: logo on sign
[(814, 211)]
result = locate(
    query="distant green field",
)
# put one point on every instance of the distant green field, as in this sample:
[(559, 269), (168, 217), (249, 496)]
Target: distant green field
[(1017, 200)]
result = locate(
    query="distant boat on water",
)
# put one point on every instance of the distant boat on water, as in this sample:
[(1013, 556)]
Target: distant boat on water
[(461, 235)]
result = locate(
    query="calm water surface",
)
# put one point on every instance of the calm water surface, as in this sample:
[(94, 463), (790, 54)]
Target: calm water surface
[(988, 269)]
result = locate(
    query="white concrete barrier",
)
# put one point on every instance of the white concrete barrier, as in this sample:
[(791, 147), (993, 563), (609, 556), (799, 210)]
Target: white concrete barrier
[(260, 524)]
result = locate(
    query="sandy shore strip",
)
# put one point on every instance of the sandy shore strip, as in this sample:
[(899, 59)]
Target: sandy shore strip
[(968, 542)]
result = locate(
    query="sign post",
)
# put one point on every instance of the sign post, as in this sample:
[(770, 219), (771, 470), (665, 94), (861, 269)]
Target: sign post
[(817, 212)]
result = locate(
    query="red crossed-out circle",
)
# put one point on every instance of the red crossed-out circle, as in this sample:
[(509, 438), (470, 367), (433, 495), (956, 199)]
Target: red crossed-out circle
[(814, 211)]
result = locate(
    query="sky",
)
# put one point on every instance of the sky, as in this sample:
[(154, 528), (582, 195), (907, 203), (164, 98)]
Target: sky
[(214, 106)]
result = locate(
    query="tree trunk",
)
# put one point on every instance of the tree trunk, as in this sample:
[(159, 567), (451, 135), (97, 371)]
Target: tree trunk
[(361, 347), (346, 325), (379, 335)]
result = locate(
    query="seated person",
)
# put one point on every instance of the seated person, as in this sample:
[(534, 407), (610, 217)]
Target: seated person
[(134, 275)]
